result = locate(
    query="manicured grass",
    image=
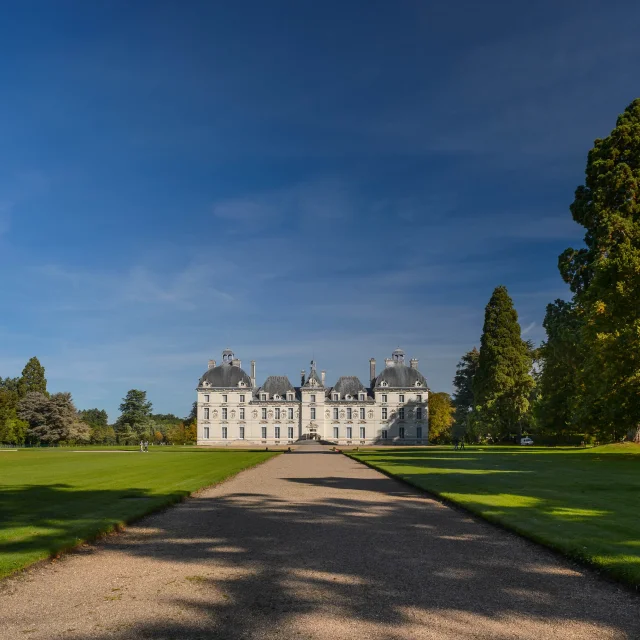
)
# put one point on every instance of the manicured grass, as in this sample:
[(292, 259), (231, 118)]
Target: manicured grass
[(583, 502), (53, 499)]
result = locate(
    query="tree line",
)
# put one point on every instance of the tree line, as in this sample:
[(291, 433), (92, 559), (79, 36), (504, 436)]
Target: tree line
[(583, 382), (29, 414)]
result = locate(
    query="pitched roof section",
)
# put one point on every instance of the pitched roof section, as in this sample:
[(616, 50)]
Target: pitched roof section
[(399, 375), (225, 376), (348, 385), (313, 380), (276, 385)]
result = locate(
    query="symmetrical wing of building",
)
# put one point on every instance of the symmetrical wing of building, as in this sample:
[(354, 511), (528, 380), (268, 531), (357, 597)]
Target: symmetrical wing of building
[(392, 409)]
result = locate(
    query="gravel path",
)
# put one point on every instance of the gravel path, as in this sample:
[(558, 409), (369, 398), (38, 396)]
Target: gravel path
[(313, 545)]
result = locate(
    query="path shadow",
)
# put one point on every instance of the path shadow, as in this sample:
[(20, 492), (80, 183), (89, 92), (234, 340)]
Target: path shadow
[(384, 560)]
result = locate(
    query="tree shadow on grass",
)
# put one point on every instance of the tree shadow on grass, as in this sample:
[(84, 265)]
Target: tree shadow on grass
[(37, 521), (385, 563)]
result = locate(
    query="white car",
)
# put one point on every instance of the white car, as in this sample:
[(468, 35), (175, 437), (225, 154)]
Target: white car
[(526, 440)]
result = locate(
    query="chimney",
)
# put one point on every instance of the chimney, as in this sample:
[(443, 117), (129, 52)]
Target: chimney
[(253, 374), (302, 377), (322, 376), (413, 363), (372, 370), (212, 363)]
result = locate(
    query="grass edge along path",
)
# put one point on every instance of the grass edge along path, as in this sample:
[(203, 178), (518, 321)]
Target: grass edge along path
[(593, 562), (137, 509)]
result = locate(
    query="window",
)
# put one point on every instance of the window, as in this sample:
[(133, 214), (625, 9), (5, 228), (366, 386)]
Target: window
[(276, 397), (384, 434), (335, 413), (242, 413), (313, 414), (336, 432), (419, 433), (362, 432), (206, 432), (206, 414), (263, 396), (384, 413), (401, 432), (241, 398), (224, 433), (290, 413), (336, 396), (224, 413), (290, 433), (349, 413), (419, 413), (277, 433), (289, 396), (241, 433), (401, 397), (278, 413), (264, 432), (312, 397), (224, 398), (206, 397), (401, 413), (349, 433), (384, 397), (361, 396), (348, 397), (264, 413), (418, 398), (362, 413)]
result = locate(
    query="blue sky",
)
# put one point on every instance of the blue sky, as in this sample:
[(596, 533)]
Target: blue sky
[(290, 179)]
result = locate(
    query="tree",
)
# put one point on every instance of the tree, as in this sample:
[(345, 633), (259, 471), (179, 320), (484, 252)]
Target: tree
[(12, 429), (463, 399), (53, 419), (9, 384), (136, 412), (440, 417), (605, 278), (561, 360), (177, 434), (502, 383), (94, 417), (32, 379), (127, 435)]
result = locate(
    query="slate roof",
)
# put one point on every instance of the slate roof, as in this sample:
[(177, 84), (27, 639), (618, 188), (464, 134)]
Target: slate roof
[(314, 375), (399, 375), (225, 376), (276, 385), (348, 385)]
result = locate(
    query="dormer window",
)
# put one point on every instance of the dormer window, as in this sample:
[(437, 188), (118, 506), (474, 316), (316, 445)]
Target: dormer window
[(348, 397), (276, 397), (336, 396), (289, 396), (241, 383), (383, 384), (418, 383), (361, 396), (263, 396)]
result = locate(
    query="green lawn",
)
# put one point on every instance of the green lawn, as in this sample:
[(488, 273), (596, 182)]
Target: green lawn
[(583, 502), (52, 499)]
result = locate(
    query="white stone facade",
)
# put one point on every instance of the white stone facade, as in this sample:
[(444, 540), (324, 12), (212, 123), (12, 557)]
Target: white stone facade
[(393, 409)]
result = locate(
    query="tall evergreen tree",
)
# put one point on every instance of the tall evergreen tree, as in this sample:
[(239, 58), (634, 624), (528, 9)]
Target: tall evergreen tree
[(605, 278), (463, 397), (136, 413), (502, 384), (32, 379), (561, 359)]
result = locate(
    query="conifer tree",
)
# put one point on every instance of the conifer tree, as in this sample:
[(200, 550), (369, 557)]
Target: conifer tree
[(605, 278), (32, 379), (463, 398), (502, 384)]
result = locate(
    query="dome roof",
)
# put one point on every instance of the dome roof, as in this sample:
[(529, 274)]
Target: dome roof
[(225, 376), (399, 375)]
